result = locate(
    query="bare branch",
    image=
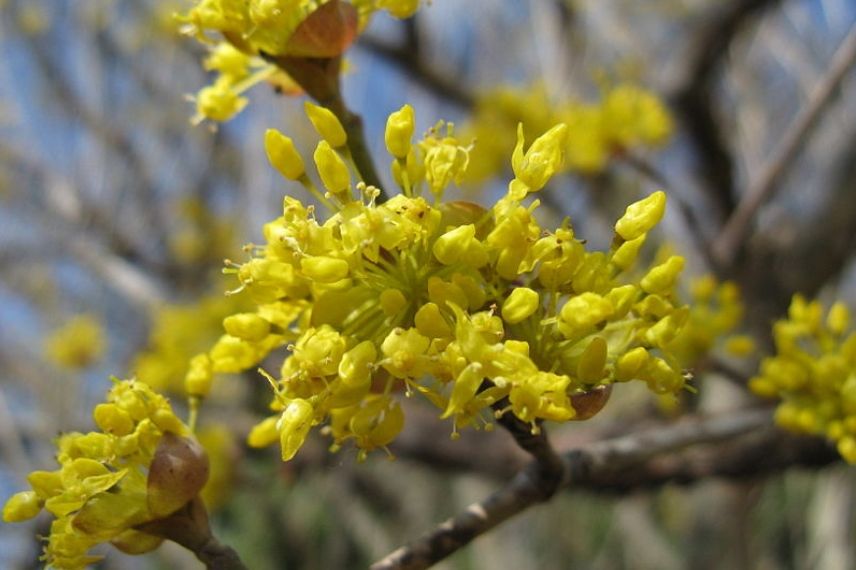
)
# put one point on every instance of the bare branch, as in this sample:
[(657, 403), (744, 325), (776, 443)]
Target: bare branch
[(694, 99), (581, 465), (730, 241)]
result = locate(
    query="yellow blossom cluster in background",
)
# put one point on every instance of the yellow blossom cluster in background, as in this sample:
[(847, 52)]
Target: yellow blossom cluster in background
[(814, 373), (106, 484), (243, 33), (716, 311), (179, 332), (481, 311), (626, 118), (77, 344), (203, 237)]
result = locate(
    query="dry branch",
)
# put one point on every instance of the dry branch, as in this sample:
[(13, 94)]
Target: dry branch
[(530, 487), (733, 235)]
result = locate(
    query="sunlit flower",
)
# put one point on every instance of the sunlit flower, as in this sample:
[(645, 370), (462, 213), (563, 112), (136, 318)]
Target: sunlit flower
[(481, 311), (139, 466), (814, 373)]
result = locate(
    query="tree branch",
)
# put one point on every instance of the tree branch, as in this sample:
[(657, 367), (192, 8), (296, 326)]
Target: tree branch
[(581, 465), (731, 239), (694, 99)]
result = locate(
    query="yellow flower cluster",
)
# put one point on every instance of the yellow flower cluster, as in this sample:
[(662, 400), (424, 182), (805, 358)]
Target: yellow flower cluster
[(77, 344), (178, 333), (251, 29), (814, 373), (627, 117), (202, 237), (107, 482), (716, 310), (482, 311)]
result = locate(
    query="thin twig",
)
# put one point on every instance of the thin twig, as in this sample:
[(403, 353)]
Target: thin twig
[(728, 244), (523, 490), (694, 99)]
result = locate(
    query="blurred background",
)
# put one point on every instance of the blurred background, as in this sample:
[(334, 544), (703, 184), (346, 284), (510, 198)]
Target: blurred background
[(116, 215)]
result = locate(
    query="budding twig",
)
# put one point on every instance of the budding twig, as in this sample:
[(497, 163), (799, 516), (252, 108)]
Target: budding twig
[(319, 77)]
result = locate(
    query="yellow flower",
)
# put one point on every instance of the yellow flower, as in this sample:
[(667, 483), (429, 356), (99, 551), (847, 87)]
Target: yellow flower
[(282, 155), (77, 344), (641, 216), (219, 101), (326, 124), (813, 374), (626, 118), (464, 305), (140, 467), (542, 159), (399, 131), (178, 334), (248, 30), (332, 169)]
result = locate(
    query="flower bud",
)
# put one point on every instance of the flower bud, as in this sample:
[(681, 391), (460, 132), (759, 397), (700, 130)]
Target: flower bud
[(592, 361), (355, 366), (392, 301), (847, 448), (21, 507), (388, 426), (248, 326), (282, 155), (294, 425), (662, 378), (332, 169), (542, 160), (838, 318), (324, 269), (263, 433), (326, 124), (460, 246), (622, 299), (200, 376), (399, 130), (430, 322), (110, 418), (661, 279), (400, 8), (630, 364), (667, 328), (584, 312), (219, 102), (45, 483), (520, 304), (135, 542), (641, 216), (740, 345), (627, 252)]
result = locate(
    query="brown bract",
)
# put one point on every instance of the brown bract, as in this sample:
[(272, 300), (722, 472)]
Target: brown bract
[(327, 32), (177, 474)]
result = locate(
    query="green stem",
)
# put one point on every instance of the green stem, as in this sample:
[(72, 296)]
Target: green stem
[(319, 77)]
